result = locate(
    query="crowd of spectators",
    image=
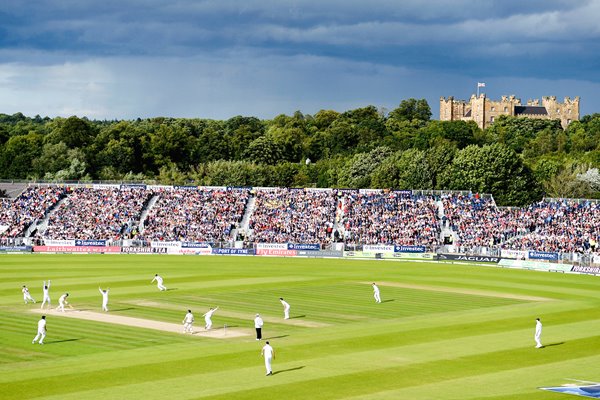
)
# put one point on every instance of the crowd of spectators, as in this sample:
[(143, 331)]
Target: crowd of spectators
[(195, 215), (16, 215), (563, 226), (91, 213), (558, 226), (478, 222), (390, 218), (293, 216), (302, 216)]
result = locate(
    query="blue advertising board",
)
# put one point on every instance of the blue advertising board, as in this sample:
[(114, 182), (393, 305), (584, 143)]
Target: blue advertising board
[(542, 255), (304, 246), (233, 252), (409, 249), (90, 242)]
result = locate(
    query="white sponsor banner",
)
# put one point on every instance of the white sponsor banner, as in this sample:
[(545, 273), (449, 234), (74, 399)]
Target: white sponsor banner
[(370, 191), (165, 244), (56, 242), (596, 258), (517, 254), (160, 187), (378, 248), (191, 250), (105, 186), (271, 246)]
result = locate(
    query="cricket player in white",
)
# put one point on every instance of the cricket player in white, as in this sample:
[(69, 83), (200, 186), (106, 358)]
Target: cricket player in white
[(538, 333), (26, 296), (41, 333), (258, 324), (62, 302), (269, 354), (286, 308), (207, 317), (188, 320), (159, 282), (46, 289), (104, 294), (376, 293)]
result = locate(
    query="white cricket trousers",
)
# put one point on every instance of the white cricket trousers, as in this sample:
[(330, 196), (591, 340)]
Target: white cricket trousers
[(268, 364), (41, 335)]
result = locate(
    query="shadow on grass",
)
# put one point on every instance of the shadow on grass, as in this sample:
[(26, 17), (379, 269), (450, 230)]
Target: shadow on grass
[(298, 316), (387, 301), (288, 370), (169, 289), (123, 309), (553, 344), (61, 341), (276, 337)]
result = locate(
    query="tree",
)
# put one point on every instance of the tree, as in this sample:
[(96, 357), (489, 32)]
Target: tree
[(412, 109), (358, 170), (19, 152), (590, 177), (74, 132), (516, 132), (494, 169), (263, 151)]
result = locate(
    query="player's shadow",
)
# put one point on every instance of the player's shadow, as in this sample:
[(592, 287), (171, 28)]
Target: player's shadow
[(553, 344), (123, 309), (61, 341), (169, 289), (277, 337), (288, 370), (298, 316), (387, 301)]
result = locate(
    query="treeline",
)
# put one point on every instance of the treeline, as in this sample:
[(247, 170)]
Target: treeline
[(517, 160)]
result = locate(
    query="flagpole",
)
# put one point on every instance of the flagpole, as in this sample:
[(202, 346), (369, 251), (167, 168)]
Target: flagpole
[(477, 89)]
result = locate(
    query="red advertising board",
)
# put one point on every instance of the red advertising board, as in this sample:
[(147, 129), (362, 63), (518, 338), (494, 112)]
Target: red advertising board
[(76, 249), (276, 252)]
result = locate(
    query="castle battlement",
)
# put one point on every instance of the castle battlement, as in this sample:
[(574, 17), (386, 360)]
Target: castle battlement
[(484, 111)]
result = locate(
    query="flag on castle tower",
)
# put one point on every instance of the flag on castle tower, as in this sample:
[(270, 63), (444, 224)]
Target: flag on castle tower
[(480, 84)]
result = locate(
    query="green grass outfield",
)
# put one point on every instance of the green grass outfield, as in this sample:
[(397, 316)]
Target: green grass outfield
[(443, 331)]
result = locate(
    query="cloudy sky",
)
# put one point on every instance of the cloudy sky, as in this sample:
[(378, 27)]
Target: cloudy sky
[(123, 59)]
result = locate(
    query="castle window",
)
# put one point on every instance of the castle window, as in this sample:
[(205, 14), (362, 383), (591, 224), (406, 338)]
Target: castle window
[(491, 119), (493, 109), (568, 121), (505, 109)]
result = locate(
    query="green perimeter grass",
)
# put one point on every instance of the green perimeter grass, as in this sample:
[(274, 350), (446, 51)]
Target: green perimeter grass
[(443, 331)]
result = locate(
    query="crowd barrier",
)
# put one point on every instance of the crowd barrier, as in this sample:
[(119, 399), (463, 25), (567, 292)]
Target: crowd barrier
[(529, 260)]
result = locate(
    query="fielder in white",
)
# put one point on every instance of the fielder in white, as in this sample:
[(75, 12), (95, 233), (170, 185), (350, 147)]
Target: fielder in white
[(538, 333), (46, 289), (188, 320), (62, 302), (286, 308), (41, 332), (104, 294), (268, 353), (376, 293), (207, 317), (26, 296), (159, 282)]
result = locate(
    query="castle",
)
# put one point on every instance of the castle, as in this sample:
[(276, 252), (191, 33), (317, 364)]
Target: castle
[(484, 111)]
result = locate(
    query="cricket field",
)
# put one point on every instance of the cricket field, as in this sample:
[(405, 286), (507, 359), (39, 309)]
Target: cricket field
[(442, 331)]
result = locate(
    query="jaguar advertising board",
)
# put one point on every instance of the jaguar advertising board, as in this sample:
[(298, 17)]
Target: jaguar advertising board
[(462, 257)]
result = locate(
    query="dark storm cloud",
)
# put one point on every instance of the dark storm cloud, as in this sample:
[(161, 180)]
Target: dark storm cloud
[(267, 57)]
